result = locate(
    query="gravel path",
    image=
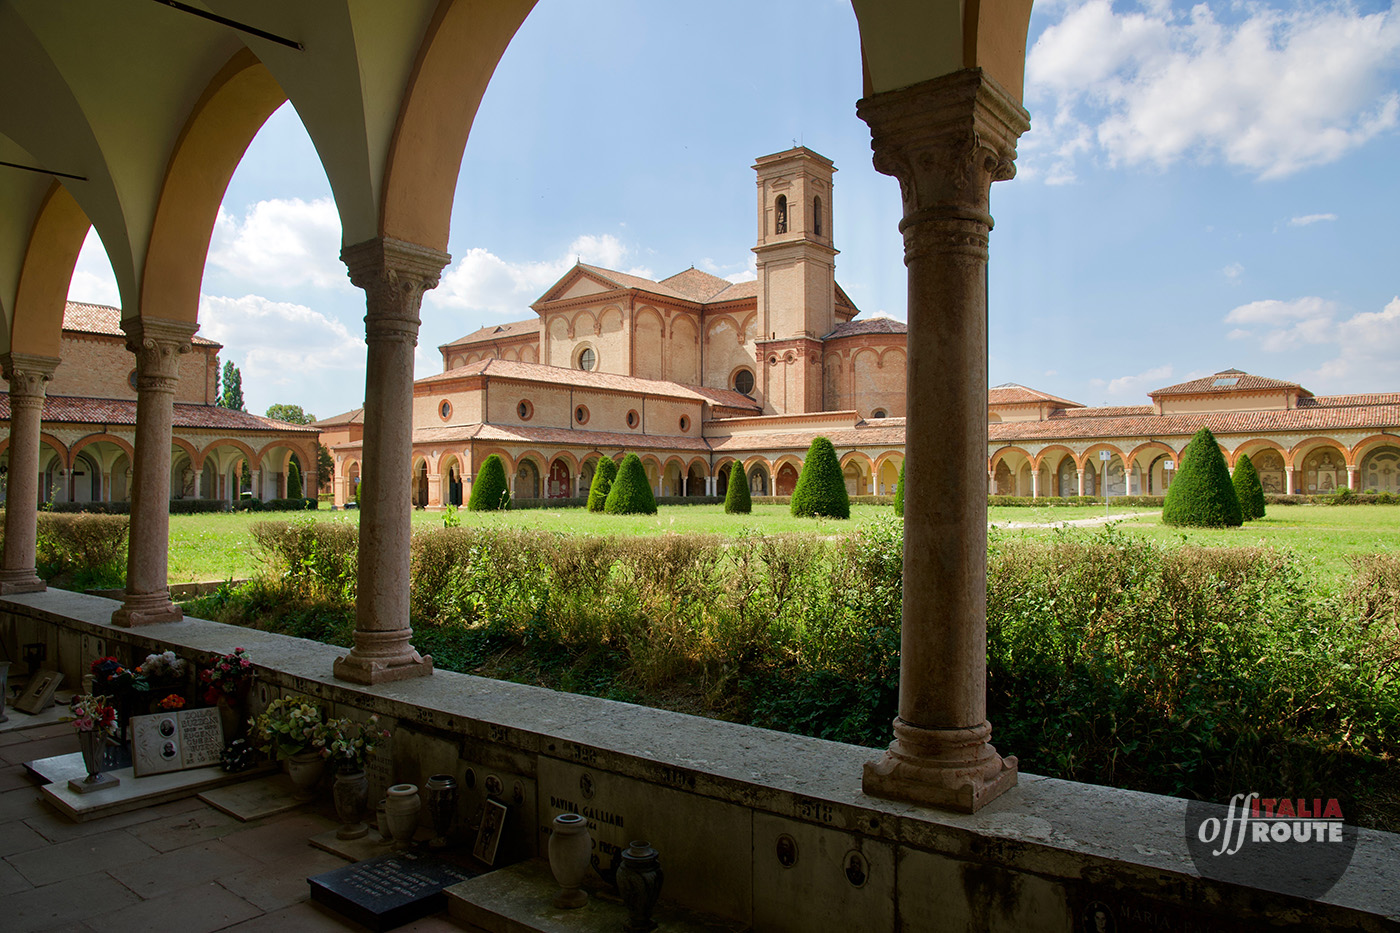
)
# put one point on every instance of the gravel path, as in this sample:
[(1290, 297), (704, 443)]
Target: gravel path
[(1070, 523)]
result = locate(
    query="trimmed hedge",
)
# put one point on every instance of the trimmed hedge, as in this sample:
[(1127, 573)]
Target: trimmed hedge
[(1054, 501), (899, 494), (1202, 494), (737, 499), (631, 492), (821, 487), (603, 475), (1358, 498), (1248, 489), (490, 491), (293, 480)]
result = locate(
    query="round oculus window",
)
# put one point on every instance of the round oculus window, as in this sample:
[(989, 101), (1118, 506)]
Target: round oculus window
[(581, 414), (524, 410), (743, 381), (685, 423), (131, 380), (633, 419), (587, 359), (445, 409)]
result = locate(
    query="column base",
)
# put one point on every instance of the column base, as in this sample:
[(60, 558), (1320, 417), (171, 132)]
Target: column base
[(952, 769), (359, 669), (147, 609), (20, 581)]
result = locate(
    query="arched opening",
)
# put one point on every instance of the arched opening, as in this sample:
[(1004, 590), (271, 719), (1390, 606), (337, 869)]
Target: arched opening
[(420, 484), (780, 215), (722, 480), (671, 484), (785, 481), (758, 480), (695, 480), (585, 476), (352, 483), (86, 479), (182, 475), (888, 480), (451, 472), (1067, 478), (817, 215), (1270, 467), (653, 471), (558, 486), (1380, 470), (1324, 468), (527, 480)]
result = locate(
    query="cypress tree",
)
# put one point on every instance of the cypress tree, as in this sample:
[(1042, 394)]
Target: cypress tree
[(1202, 494), (737, 500), (603, 475), (899, 493), (490, 491), (293, 480), (821, 488), (631, 493), (1248, 489)]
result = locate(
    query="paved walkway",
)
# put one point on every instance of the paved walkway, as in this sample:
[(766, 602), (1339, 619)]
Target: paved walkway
[(180, 866), (1071, 523)]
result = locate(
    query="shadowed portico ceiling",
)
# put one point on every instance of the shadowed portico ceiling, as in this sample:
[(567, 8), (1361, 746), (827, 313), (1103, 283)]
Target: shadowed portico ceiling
[(112, 92)]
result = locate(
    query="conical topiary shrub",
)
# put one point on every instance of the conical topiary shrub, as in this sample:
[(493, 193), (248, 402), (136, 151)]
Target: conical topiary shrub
[(821, 489), (631, 493), (293, 480), (490, 491), (1248, 489), (1202, 494), (899, 493), (737, 500), (603, 475)]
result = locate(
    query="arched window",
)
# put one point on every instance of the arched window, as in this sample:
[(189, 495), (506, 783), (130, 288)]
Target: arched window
[(878, 413), (817, 215), (780, 214)]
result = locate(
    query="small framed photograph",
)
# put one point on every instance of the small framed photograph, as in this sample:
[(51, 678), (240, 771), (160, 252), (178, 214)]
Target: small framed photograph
[(39, 695), (488, 839)]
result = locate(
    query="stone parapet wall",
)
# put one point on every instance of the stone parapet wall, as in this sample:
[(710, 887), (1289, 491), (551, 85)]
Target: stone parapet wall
[(717, 800)]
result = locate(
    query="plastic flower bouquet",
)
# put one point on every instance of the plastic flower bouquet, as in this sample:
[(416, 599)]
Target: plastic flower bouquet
[(229, 676), (173, 702), (109, 678), (349, 742), (289, 726), (164, 667), (93, 714)]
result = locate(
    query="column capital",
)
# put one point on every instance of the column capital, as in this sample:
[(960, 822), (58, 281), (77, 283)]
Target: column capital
[(946, 139), (28, 374), (394, 275), (158, 344)]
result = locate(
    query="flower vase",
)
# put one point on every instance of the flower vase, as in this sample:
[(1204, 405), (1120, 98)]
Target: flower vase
[(442, 806), (569, 849), (351, 793), (639, 879), (305, 769), (231, 718), (92, 743), (401, 813)]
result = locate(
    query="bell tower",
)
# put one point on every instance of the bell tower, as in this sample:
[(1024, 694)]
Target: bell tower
[(796, 276)]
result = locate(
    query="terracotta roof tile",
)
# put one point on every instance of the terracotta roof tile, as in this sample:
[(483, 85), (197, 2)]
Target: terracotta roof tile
[(1105, 412), (873, 325), (1184, 425), (556, 375), (356, 416), (83, 318), (1348, 401), (498, 332), (555, 437), (626, 280), (698, 285), (867, 435), (1011, 393), (63, 409), (1234, 380), (737, 291)]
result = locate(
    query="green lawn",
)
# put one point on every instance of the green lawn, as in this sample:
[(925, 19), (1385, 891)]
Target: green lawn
[(218, 546)]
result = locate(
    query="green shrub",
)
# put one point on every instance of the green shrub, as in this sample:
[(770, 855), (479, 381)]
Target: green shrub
[(821, 488), (603, 475), (293, 480), (320, 557), (899, 493), (631, 493), (83, 550), (737, 500), (1248, 489), (1202, 493), (490, 492)]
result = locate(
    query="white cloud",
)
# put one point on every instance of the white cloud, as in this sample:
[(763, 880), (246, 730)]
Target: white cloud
[(1368, 355), (1292, 324), (1307, 219), (93, 280), (1274, 93), (482, 281), (281, 244), (1139, 384), (286, 352), (1233, 271)]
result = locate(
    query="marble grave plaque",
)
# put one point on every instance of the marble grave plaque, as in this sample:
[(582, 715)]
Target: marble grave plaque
[(391, 890), (176, 741)]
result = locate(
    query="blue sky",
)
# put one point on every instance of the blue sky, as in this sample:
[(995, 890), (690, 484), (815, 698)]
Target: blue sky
[(1201, 188)]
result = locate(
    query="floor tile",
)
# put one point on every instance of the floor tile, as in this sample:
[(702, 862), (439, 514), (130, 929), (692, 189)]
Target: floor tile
[(183, 829), (80, 857), (56, 827), (303, 918), (16, 837), (57, 906), (279, 884), (41, 748), (192, 910), (182, 868), (271, 841)]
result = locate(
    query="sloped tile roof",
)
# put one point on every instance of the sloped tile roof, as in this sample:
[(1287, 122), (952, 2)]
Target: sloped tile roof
[(577, 378), (530, 328), (1243, 382), (1011, 393), (867, 435), (698, 285), (873, 325), (355, 416), (1106, 412), (1184, 425), (64, 409), (83, 318), (1348, 401), (737, 291), (555, 437), (625, 280)]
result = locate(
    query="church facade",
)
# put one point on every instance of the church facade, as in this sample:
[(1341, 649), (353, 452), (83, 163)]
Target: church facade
[(695, 374)]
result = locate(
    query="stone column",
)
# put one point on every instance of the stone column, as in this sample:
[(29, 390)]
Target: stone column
[(1351, 478), (394, 276), (1035, 484), (27, 375), (1288, 480), (1079, 475), (946, 140), (198, 483), (158, 345)]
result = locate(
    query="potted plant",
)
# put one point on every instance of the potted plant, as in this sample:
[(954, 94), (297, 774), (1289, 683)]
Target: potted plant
[(121, 685), (348, 745), (293, 729), (96, 721), (226, 686)]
